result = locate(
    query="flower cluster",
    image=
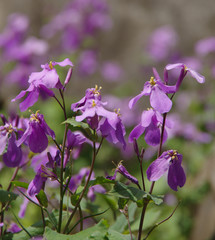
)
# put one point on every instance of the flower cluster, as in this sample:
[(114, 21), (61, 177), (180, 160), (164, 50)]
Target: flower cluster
[(153, 124), (108, 123)]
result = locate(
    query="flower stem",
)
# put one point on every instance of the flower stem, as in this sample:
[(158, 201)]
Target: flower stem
[(153, 183), (84, 190), (3, 205)]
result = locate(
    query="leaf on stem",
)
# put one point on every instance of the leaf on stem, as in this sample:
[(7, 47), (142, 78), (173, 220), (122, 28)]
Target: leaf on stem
[(6, 196)]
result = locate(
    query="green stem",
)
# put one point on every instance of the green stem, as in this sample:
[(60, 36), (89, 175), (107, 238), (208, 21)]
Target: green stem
[(157, 224), (61, 178), (153, 183), (84, 190), (3, 207), (81, 218)]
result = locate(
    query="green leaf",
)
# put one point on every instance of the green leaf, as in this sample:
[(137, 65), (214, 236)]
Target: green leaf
[(87, 234), (157, 199), (74, 199), (128, 192), (101, 180), (6, 196), (34, 230), (121, 222), (81, 126), (41, 197), (114, 235), (122, 202), (134, 194), (20, 184)]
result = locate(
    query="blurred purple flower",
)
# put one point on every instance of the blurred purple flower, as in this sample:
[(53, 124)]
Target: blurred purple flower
[(205, 46), (14, 228), (168, 161), (77, 179), (111, 71), (161, 42), (87, 63), (14, 32), (187, 130), (36, 134)]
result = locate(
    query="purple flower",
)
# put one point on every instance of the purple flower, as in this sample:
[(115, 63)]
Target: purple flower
[(183, 73), (113, 134), (169, 161), (41, 83), (14, 228), (77, 179), (157, 91), (87, 63), (12, 154), (108, 123), (37, 183), (161, 42), (205, 46), (111, 71), (35, 134), (123, 171), (151, 123)]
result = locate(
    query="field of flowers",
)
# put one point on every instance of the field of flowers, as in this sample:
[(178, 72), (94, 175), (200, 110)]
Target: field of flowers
[(99, 144)]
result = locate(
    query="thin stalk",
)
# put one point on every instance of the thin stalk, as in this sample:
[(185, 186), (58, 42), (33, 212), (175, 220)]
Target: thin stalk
[(157, 224), (61, 178), (3, 207), (81, 218), (153, 183), (21, 224), (84, 190), (62, 163), (142, 175), (90, 216), (58, 102), (43, 217)]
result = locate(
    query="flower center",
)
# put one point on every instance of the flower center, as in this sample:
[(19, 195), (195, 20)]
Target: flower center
[(50, 65), (173, 155), (9, 129), (34, 117), (93, 103), (117, 111), (152, 81), (97, 90)]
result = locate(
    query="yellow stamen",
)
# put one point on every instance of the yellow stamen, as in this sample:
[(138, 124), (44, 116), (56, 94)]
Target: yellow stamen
[(97, 90), (94, 103), (152, 81), (50, 65), (117, 111), (34, 117)]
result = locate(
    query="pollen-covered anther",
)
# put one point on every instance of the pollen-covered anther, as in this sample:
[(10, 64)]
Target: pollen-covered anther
[(152, 81), (97, 90), (117, 111), (93, 103), (50, 65), (34, 117), (9, 129)]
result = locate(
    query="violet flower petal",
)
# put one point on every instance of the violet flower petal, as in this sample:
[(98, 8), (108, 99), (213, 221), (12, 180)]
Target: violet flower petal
[(136, 133), (38, 140), (160, 101), (176, 175), (157, 169)]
